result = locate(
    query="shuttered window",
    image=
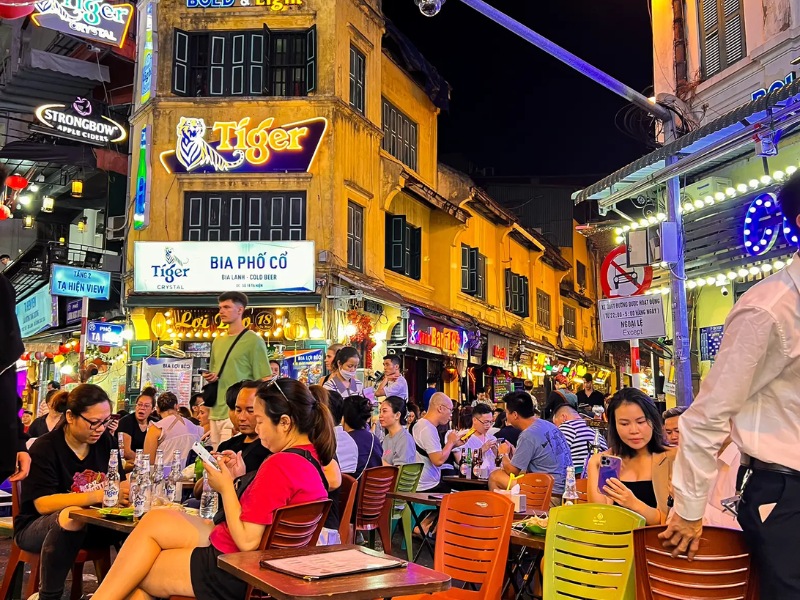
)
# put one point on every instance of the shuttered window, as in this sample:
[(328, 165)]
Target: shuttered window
[(542, 309), (403, 247), (244, 63), (723, 40), (358, 74), (570, 322), (233, 217), (473, 272), (517, 294), (580, 276), (399, 135), (355, 236)]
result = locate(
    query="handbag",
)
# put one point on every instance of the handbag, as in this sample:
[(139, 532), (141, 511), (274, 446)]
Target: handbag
[(210, 390)]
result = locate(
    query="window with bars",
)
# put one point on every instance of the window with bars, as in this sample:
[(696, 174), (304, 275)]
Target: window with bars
[(722, 34), (403, 247), (355, 236), (570, 321), (399, 135), (232, 216), (542, 309), (244, 63), (358, 74), (580, 275), (473, 272), (517, 294)]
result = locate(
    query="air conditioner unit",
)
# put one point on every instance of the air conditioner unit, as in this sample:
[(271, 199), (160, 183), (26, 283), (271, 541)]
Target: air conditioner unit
[(700, 190), (115, 228)]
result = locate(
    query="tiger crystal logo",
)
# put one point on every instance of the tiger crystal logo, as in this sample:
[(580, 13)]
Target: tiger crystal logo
[(172, 269), (90, 19), (244, 146)]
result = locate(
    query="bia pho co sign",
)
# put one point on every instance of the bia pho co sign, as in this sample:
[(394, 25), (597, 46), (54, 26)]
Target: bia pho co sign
[(79, 121), (90, 19)]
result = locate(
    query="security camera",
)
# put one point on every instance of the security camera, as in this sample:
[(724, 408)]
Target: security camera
[(724, 291), (430, 8)]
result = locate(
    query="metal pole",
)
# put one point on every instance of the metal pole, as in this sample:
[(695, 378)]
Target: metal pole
[(569, 59), (636, 377)]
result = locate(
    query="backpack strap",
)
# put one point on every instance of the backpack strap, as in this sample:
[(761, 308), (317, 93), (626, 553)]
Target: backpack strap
[(310, 458)]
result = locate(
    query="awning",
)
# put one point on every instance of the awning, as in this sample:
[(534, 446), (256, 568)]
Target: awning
[(721, 140), (210, 300)]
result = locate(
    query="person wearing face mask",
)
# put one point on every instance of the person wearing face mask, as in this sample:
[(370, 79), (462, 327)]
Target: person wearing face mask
[(343, 379)]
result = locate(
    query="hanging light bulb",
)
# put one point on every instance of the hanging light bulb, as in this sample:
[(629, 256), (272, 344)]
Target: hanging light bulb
[(350, 330), (77, 188), (47, 204), (27, 222), (82, 224)]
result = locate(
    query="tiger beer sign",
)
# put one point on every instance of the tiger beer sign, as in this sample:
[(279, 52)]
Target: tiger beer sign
[(244, 146)]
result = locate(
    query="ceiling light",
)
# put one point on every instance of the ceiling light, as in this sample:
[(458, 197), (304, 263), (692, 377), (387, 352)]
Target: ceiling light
[(27, 222), (691, 285), (47, 204), (754, 270), (77, 188)]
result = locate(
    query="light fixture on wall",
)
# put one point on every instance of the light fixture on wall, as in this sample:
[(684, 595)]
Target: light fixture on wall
[(48, 204), (27, 222), (82, 224), (77, 188)]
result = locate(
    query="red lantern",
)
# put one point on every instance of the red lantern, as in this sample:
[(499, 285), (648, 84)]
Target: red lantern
[(49, 355), (5, 212), (15, 12), (63, 349), (17, 182), (25, 356), (104, 349), (77, 348), (489, 370)]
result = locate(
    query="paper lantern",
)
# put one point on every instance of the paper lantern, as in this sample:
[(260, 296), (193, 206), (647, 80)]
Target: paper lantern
[(15, 12), (104, 349), (39, 355), (63, 349), (16, 182), (49, 355), (58, 359), (5, 212), (489, 370), (26, 356)]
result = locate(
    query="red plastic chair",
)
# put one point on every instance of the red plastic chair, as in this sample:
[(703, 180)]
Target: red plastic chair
[(373, 505), (100, 557), (721, 570), (538, 488), (347, 502), (582, 487), (472, 540)]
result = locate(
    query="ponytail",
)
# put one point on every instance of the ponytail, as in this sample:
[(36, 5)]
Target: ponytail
[(322, 434)]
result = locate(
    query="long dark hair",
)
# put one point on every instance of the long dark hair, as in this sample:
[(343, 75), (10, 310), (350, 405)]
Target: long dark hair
[(311, 417), (82, 398), (643, 401), (398, 406), (343, 355)]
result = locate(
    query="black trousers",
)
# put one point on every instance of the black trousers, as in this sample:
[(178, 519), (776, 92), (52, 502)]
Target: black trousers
[(773, 539), (9, 423)]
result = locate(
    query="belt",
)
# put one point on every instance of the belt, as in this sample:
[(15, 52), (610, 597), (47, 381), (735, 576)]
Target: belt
[(758, 465)]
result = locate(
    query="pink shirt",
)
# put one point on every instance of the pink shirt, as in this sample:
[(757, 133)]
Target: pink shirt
[(283, 479)]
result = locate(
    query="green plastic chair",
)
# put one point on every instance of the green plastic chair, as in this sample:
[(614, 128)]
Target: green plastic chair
[(407, 481), (589, 553)]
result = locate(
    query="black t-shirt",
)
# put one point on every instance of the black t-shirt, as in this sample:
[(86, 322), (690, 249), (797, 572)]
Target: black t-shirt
[(128, 424), (253, 453), (370, 451), (55, 469), (509, 434), (38, 427), (594, 399)]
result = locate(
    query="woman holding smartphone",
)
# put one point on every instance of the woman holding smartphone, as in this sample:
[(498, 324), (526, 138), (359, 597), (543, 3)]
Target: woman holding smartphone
[(635, 471)]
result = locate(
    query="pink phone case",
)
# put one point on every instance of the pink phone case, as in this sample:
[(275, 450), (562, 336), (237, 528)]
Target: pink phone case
[(608, 471)]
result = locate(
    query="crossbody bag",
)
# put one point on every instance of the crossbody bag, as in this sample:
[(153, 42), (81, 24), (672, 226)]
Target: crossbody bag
[(210, 391)]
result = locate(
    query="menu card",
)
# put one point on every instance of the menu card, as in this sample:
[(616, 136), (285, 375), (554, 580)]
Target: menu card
[(332, 564)]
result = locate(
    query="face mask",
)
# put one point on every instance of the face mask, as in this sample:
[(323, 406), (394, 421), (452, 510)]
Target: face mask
[(346, 375)]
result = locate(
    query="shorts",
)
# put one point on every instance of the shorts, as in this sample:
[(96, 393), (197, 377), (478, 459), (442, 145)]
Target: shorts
[(209, 582)]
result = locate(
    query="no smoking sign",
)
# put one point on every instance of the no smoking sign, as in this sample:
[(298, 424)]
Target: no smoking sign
[(619, 280)]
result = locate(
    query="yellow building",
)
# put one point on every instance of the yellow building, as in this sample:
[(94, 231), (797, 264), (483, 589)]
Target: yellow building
[(310, 120)]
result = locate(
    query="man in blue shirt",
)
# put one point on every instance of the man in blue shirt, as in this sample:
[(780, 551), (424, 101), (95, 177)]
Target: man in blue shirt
[(430, 391), (541, 447)]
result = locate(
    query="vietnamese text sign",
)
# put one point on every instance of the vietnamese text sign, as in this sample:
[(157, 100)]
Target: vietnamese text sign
[(169, 375), (244, 146), (710, 339), (38, 312), (224, 266), (99, 333), (73, 311), (620, 280), (631, 318), (89, 19), (306, 366), (80, 283)]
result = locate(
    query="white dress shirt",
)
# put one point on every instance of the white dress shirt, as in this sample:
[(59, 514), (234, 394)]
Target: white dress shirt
[(751, 391)]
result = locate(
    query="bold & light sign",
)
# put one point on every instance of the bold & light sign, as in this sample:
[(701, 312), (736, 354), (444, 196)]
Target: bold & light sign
[(90, 19), (273, 5), (79, 121), (223, 266), (244, 147), (80, 283)]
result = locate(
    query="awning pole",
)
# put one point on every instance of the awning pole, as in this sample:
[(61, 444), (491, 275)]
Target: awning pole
[(680, 321)]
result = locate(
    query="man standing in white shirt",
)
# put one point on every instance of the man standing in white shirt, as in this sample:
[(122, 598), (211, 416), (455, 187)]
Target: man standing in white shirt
[(751, 393), (393, 382)]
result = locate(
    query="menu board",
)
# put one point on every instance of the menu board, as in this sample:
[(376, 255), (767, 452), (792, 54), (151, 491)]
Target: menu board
[(303, 365), (502, 386), (169, 375)]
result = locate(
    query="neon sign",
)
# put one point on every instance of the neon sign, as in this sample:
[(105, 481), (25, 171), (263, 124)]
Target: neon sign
[(147, 56), (763, 223), (273, 5), (242, 148), (77, 122), (500, 352), (141, 202), (776, 85), (90, 19), (447, 340)]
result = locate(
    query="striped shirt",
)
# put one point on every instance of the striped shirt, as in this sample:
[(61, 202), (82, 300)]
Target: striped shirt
[(580, 436)]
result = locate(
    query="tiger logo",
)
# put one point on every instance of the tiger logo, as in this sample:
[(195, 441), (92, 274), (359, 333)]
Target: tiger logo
[(172, 258), (193, 151)]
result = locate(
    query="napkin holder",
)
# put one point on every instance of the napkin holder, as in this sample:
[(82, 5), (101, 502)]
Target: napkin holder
[(519, 500)]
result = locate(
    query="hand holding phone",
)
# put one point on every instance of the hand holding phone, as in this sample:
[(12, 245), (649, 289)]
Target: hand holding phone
[(610, 467), (200, 450)]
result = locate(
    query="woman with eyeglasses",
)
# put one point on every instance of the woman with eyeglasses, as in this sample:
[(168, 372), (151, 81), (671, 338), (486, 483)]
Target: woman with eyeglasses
[(68, 470), (172, 553)]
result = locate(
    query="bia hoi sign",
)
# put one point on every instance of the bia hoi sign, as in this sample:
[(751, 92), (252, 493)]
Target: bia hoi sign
[(79, 121), (244, 147), (90, 19), (223, 266)]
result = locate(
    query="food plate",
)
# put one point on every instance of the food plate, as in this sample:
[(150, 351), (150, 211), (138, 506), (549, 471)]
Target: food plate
[(119, 514), (537, 525)]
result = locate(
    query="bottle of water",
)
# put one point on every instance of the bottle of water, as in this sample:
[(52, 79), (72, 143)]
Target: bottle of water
[(137, 493), (570, 491), (171, 486), (139, 458), (157, 477), (208, 501), (111, 491)]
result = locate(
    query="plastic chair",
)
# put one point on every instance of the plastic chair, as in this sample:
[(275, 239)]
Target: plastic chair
[(589, 552), (407, 482), (721, 570), (538, 488), (17, 556), (347, 501), (582, 487), (295, 526), (472, 540), (373, 506)]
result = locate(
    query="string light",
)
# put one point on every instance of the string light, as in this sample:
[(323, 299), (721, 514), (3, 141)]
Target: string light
[(724, 278)]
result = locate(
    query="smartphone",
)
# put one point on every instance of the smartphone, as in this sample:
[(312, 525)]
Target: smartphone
[(203, 371), (610, 466), (201, 451)]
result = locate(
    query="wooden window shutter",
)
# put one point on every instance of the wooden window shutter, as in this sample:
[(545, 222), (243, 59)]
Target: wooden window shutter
[(464, 268), (473, 271), (415, 271), (395, 248), (180, 57), (311, 59), (267, 74)]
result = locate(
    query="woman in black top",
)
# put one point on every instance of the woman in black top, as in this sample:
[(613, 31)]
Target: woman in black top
[(56, 401), (68, 471), (357, 414)]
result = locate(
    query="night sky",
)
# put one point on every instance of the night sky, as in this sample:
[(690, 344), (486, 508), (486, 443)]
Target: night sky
[(517, 109)]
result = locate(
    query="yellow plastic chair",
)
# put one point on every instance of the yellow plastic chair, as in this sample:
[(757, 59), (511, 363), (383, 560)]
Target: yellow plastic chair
[(407, 481), (589, 553)]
